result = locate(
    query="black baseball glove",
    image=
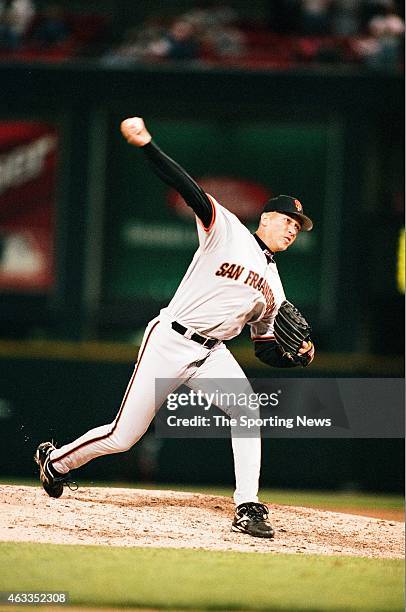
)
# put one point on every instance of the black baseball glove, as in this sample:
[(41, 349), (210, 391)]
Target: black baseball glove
[(291, 329)]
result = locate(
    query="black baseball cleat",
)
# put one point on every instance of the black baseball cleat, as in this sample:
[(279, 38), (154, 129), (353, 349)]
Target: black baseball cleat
[(51, 480), (252, 518)]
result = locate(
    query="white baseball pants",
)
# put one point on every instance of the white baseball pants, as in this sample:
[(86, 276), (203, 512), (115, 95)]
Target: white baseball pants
[(166, 354)]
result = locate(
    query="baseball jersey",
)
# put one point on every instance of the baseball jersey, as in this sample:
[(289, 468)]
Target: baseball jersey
[(229, 283), (232, 280)]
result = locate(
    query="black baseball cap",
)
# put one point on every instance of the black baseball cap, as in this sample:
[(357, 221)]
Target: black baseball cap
[(292, 207)]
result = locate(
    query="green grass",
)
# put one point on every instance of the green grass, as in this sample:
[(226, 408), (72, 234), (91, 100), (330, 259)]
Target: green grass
[(202, 580), (317, 499)]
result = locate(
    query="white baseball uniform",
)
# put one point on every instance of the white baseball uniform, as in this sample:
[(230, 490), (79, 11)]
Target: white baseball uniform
[(232, 281)]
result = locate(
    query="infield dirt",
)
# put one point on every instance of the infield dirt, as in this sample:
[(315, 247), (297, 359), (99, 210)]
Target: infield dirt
[(135, 517)]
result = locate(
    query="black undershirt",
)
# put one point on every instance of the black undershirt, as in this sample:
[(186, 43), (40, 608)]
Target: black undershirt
[(175, 176), (267, 252)]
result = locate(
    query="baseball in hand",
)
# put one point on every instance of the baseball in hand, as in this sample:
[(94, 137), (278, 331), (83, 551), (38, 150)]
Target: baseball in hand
[(135, 132)]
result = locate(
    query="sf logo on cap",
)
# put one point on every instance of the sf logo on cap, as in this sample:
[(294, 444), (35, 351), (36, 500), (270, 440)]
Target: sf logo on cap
[(298, 205)]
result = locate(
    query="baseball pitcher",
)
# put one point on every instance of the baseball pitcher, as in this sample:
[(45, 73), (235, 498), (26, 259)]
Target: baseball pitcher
[(231, 282)]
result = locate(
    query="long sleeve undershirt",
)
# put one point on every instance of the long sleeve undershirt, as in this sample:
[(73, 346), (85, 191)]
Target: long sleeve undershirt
[(270, 353), (171, 173)]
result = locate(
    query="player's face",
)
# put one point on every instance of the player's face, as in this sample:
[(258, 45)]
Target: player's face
[(279, 230)]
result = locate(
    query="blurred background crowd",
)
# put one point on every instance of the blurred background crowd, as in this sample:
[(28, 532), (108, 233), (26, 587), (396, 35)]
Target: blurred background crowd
[(281, 34)]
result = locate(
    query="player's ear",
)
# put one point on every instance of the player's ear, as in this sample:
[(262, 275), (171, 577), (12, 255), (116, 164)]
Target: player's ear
[(263, 221)]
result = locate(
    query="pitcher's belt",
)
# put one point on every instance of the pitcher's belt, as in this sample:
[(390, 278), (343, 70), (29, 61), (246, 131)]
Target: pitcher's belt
[(185, 331)]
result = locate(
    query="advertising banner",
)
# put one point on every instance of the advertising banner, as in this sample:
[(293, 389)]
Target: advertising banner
[(28, 160)]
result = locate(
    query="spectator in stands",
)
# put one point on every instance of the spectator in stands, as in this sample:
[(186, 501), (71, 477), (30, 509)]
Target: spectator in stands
[(371, 8), (155, 42), (137, 42), (381, 47), (52, 27), (216, 27), (179, 43), (211, 14), (316, 17), (345, 17), (225, 41), (16, 20)]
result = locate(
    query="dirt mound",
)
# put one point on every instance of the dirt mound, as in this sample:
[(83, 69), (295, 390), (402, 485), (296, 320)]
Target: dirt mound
[(134, 517)]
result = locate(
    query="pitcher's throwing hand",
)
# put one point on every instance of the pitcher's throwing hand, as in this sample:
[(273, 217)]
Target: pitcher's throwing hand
[(135, 132)]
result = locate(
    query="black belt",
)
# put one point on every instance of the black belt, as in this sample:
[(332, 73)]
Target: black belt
[(206, 342)]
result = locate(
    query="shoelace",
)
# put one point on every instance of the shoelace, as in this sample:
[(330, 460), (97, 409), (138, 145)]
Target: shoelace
[(69, 482), (72, 485), (66, 479)]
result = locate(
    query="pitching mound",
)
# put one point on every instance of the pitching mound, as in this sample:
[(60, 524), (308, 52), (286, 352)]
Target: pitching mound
[(134, 517)]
